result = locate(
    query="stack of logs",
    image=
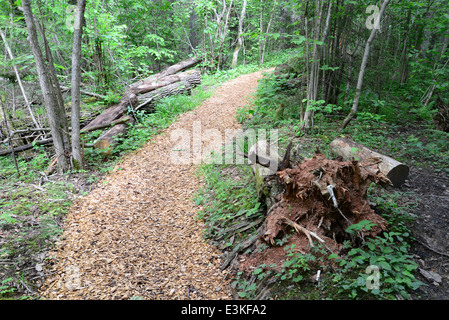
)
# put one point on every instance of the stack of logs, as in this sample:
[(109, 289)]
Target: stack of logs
[(140, 95)]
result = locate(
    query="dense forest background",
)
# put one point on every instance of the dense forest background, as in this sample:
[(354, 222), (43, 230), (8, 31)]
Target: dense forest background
[(390, 57), (381, 64)]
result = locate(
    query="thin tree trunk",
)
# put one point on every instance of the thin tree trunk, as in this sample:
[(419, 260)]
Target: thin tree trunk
[(76, 90), (312, 86), (235, 57), (9, 135), (51, 101), (56, 88), (261, 32), (264, 43), (19, 81), (362, 70)]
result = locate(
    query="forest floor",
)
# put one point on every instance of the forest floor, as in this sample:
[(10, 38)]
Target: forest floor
[(136, 235)]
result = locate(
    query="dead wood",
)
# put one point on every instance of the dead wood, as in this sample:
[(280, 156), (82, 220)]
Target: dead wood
[(316, 201), (113, 113), (27, 146), (108, 139), (123, 119), (85, 92), (147, 100), (394, 170), (148, 86), (178, 67)]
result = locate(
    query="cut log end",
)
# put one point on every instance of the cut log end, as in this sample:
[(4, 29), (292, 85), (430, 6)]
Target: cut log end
[(398, 174)]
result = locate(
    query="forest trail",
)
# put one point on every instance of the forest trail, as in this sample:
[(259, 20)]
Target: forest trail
[(136, 234)]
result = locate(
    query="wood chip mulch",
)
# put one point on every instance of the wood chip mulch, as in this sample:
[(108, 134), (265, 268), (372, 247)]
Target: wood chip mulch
[(136, 234)]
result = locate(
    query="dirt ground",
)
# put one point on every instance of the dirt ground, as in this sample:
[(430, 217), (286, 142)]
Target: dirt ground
[(431, 229), (136, 234)]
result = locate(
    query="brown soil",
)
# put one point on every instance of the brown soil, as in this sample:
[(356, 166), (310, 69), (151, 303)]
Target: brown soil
[(430, 190), (137, 235)]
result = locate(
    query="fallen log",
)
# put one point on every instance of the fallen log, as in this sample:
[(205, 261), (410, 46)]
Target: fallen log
[(178, 67), (186, 76), (147, 100), (136, 100), (85, 92), (123, 119), (27, 146), (394, 170), (113, 113), (108, 139)]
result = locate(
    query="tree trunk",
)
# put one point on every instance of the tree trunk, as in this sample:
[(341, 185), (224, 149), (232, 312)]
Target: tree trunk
[(113, 113), (312, 86), (362, 70), (235, 56), (178, 67), (50, 98), (146, 101), (394, 170), (19, 81), (9, 134), (148, 86), (108, 139), (76, 80)]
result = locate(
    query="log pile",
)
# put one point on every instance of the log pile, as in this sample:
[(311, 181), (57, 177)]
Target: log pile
[(143, 94), (140, 95)]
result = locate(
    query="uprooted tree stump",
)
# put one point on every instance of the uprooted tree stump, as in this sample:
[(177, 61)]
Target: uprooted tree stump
[(314, 203)]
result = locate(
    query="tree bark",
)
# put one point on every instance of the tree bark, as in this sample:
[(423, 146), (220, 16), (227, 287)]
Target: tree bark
[(239, 45), (148, 86), (9, 135), (108, 139), (362, 70), (147, 100), (78, 162), (51, 101), (394, 170), (178, 67)]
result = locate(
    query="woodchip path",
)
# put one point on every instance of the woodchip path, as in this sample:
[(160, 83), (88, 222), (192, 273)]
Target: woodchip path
[(136, 234)]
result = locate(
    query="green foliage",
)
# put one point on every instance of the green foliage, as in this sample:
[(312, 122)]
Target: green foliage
[(388, 253), (295, 265), (5, 289)]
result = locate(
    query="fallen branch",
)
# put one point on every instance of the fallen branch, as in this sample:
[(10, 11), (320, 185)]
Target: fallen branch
[(102, 126), (87, 93), (27, 146)]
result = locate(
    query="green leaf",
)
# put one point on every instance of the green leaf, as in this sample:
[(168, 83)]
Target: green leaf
[(333, 256)]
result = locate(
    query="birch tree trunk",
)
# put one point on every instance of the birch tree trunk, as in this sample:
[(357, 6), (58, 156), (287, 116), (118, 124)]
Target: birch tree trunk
[(362, 70), (239, 45), (50, 98), (75, 91)]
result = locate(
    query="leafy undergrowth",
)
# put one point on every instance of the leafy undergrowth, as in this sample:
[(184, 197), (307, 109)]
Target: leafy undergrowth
[(379, 268)]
